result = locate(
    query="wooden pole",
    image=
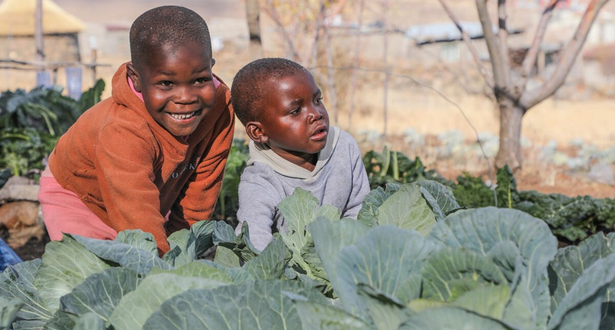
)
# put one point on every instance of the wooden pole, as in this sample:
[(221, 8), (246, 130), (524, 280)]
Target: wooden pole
[(38, 34), (42, 76), (94, 47)]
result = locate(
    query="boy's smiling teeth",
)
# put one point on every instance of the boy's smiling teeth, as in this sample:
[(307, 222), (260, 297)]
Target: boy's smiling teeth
[(184, 116)]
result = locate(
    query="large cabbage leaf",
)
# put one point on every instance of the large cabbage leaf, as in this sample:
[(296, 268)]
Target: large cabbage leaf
[(400, 252), (326, 317), (139, 239), (330, 237), (65, 265), (60, 320), (488, 301), (450, 272), (581, 308), (8, 311), (439, 197), (481, 230), (135, 307), (257, 305), (401, 206), (270, 263), (17, 281), (572, 261), (89, 321), (299, 210), (373, 200), (189, 245), (451, 318), (240, 245), (101, 292), (125, 253), (384, 310)]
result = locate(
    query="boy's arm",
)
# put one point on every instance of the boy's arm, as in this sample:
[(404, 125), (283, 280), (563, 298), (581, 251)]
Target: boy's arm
[(201, 192), (360, 183), (125, 163), (258, 200)]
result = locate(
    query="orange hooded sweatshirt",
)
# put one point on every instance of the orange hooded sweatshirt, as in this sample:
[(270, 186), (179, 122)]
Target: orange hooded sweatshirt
[(131, 172)]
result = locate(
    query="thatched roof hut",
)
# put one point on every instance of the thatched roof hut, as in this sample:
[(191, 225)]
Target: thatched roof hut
[(17, 18), (17, 28)]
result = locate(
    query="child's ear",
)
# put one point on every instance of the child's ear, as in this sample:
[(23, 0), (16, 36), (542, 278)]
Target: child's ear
[(133, 75), (255, 132)]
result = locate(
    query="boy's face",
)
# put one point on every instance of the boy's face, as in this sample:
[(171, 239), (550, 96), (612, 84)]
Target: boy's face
[(177, 86), (294, 121)]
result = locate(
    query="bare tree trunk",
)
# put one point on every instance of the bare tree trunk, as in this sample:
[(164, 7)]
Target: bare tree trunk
[(254, 29), (510, 87), (509, 152)]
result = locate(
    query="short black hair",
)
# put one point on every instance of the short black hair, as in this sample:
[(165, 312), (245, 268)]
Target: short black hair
[(250, 81), (166, 25)]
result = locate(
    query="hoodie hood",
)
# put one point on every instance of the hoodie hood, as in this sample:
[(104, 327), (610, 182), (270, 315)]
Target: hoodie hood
[(263, 154)]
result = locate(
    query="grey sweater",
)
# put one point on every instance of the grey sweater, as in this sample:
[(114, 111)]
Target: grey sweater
[(339, 179)]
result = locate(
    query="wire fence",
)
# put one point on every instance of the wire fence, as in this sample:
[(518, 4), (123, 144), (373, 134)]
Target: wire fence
[(440, 94)]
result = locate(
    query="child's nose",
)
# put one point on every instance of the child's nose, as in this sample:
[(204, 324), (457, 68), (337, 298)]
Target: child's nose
[(314, 114), (184, 95)]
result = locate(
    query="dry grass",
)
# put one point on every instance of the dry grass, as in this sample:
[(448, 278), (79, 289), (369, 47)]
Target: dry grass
[(430, 115)]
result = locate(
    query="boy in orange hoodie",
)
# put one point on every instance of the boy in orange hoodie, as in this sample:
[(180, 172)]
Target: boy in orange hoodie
[(151, 156)]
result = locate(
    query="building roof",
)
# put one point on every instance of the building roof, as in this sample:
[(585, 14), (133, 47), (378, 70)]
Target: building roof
[(17, 18), (447, 32)]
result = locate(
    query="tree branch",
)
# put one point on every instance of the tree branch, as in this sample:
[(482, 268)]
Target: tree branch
[(320, 25), (357, 49), (272, 12), (503, 35), (466, 39), (494, 51), (530, 58), (569, 55), (337, 8)]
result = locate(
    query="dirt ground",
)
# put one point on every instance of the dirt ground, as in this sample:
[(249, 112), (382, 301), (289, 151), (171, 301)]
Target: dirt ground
[(33, 249)]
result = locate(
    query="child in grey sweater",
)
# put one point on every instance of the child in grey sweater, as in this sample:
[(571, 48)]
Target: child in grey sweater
[(292, 145)]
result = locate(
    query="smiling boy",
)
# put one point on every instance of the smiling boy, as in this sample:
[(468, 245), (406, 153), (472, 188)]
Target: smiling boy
[(292, 146), (151, 156)]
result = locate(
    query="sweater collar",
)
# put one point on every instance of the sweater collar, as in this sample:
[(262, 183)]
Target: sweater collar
[(262, 153)]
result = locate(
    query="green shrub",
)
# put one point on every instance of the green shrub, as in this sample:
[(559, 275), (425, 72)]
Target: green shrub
[(31, 123)]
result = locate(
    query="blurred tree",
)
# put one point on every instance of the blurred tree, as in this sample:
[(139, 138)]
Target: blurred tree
[(304, 27), (254, 29), (509, 84)]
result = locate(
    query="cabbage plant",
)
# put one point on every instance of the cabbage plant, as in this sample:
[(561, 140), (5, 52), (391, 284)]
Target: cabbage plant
[(412, 260)]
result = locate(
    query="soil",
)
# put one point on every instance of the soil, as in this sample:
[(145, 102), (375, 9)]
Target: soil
[(33, 249)]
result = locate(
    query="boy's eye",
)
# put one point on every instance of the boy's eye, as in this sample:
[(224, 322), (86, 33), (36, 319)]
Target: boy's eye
[(295, 111), (200, 81), (318, 100), (166, 83)]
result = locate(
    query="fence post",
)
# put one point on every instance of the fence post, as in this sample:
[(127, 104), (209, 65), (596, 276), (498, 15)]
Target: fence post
[(73, 82)]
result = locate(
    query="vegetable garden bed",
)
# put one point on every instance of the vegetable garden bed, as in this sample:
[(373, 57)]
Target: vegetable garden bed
[(413, 260)]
